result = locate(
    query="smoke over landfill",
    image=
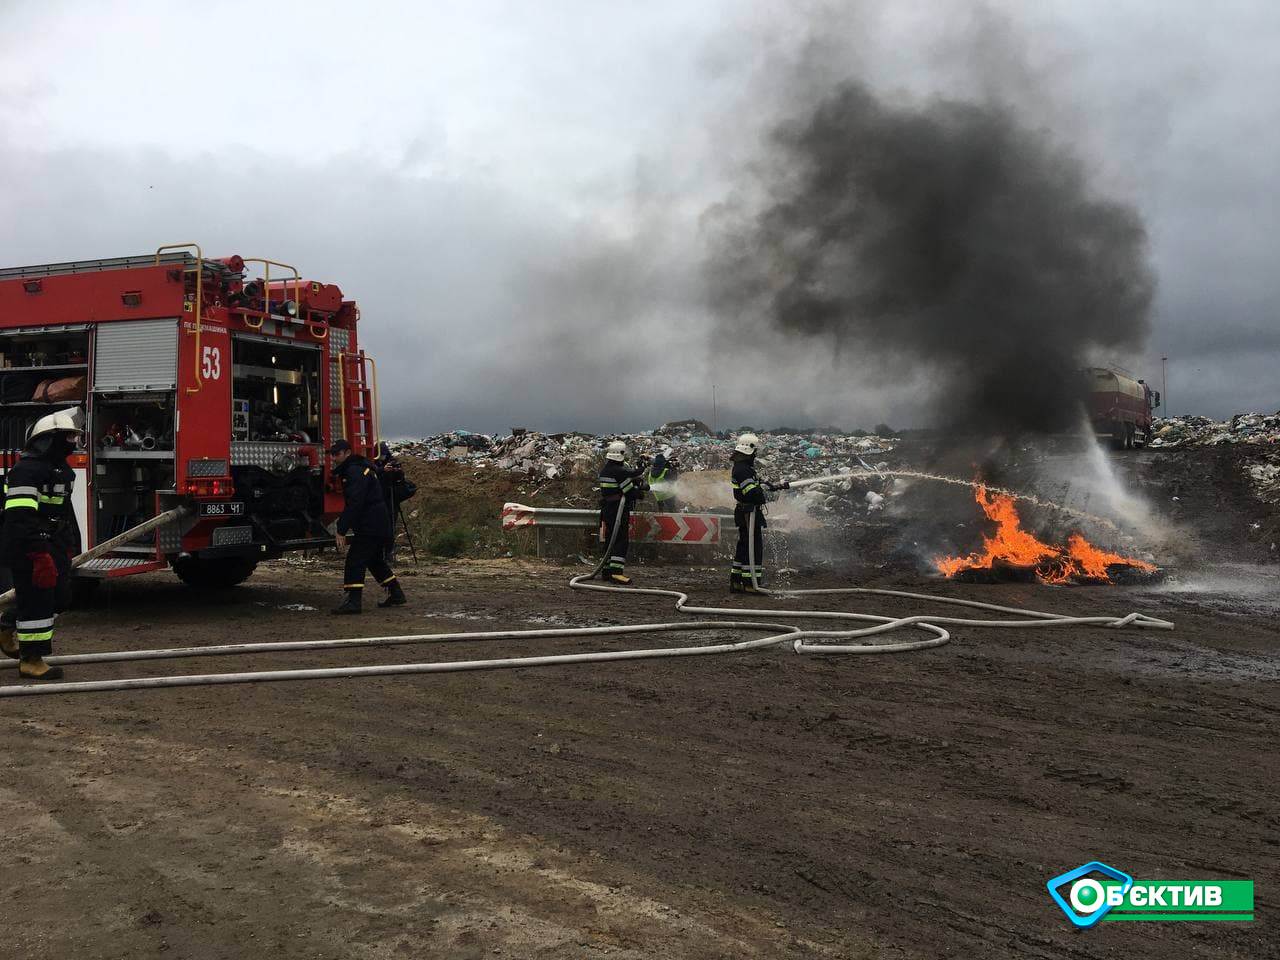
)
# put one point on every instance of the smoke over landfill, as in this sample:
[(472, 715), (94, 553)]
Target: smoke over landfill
[(946, 242)]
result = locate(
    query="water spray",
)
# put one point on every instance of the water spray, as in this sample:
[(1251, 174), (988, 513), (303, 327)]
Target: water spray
[(954, 481)]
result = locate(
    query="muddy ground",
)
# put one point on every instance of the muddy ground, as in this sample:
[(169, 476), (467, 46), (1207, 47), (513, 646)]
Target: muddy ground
[(755, 805)]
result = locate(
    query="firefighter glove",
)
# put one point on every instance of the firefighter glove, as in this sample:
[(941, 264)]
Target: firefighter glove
[(44, 574)]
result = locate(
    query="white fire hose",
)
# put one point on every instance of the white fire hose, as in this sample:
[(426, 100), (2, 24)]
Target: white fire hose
[(777, 634)]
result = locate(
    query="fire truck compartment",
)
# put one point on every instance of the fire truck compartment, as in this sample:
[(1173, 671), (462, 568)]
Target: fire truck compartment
[(275, 391), (40, 370)]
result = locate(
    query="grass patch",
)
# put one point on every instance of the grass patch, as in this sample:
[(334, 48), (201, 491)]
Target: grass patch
[(451, 541)]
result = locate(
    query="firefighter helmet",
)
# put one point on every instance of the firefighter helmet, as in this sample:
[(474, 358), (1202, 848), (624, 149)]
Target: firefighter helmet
[(748, 443), (616, 451), (61, 421)]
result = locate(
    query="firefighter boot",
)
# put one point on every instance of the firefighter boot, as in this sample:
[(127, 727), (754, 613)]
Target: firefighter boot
[(9, 641), (395, 596), (350, 603), (36, 669), (735, 583)]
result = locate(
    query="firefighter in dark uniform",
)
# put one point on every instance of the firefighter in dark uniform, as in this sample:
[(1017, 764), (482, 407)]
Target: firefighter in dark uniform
[(749, 496), (366, 523), (619, 485), (663, 474), (38, 541)]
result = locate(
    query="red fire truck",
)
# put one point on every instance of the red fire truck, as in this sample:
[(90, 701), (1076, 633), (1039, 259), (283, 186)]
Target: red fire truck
[(203, 387)]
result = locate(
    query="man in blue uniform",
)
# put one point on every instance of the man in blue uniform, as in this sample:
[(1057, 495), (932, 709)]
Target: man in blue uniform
[(619, 485), (38, 541), (364, 529), (749, 496)]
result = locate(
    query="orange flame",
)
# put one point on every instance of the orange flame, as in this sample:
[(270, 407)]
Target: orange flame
[(1011, 544)]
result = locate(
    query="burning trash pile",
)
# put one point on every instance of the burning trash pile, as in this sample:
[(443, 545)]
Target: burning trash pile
[(789, 453), (1174, 432), (1012, 553)]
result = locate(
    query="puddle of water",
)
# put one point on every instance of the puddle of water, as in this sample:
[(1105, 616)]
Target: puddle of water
[(1232, 587)]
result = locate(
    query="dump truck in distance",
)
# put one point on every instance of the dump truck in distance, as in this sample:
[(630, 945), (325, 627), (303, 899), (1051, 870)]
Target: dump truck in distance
[(205, 387), (1121, 408)]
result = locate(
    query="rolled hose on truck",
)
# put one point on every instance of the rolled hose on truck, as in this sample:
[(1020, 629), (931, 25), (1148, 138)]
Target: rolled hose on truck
[(801, 640)]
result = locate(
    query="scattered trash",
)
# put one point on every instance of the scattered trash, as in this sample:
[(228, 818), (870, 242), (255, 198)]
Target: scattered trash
[(1173, 432), (559, 455)]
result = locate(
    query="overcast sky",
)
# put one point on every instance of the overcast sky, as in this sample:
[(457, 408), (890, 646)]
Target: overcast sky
[(515, 192)]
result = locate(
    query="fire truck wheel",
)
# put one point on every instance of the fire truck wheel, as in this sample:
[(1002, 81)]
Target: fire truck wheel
[(220, 574), (1119, 435)]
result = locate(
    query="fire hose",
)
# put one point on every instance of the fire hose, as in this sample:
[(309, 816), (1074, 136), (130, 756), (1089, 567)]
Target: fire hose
[(801, 640)]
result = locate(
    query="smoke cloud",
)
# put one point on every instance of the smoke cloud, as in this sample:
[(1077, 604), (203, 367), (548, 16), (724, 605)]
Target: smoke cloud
[(939, 242)]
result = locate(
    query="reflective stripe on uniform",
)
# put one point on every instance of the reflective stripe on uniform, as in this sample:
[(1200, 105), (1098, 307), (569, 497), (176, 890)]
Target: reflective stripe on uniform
[(38, 637), (353, 586), (21, 503), (24, 491), (44, 624), (390, 579)]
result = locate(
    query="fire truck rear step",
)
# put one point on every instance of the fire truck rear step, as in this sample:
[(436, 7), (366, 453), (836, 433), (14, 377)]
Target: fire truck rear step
[(111, 567)]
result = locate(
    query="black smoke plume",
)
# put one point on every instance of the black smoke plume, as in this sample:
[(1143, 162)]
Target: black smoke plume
[(947, 241)]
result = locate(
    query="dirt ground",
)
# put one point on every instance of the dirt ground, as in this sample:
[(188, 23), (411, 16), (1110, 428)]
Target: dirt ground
[(758, 805)]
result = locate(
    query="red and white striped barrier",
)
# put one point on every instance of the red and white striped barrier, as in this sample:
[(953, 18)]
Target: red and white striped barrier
[(697, 528), (515, 515)]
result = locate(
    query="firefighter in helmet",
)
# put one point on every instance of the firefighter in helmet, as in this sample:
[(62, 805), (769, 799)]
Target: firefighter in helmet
[(663, 474), (38, 541), (620, 487), (366, 523), (749, 495)]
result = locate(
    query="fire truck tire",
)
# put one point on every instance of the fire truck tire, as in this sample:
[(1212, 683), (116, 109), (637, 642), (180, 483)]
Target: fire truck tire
[(220, 574), (1119, 435)]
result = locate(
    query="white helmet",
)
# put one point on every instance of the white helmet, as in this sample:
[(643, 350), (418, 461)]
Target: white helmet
[(616, 451), (748, 443), (61, 421)]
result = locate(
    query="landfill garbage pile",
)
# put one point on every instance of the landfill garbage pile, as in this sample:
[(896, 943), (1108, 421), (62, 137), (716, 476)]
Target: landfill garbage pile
[(1265, 475), (1173, 432), (1255, 437), (790, 454)]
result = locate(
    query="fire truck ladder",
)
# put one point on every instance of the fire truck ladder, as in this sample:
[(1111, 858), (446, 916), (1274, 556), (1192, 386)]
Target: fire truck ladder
[(360, 402)]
